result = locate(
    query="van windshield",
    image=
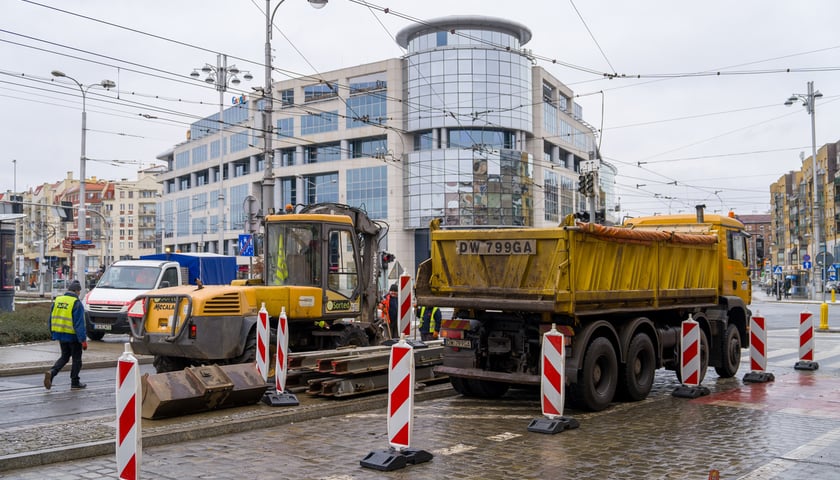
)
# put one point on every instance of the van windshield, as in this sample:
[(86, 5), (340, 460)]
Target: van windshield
[(133, 277)]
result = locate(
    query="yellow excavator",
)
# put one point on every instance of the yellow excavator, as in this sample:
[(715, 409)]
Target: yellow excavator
[(321, 265)]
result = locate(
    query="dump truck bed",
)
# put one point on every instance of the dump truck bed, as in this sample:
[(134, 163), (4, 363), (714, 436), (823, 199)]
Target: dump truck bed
[(572, 270)]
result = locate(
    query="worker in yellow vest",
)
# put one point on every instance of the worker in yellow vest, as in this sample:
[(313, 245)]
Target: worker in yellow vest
[(429, 322), (67, 324)]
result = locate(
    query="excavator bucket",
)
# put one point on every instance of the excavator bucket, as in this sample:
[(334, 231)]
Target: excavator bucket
[(198, 389)]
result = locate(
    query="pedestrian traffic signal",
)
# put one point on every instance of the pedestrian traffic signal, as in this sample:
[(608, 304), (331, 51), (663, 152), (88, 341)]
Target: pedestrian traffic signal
[(385, 259), (66, 211)]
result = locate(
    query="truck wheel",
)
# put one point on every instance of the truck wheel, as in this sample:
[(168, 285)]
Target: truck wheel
[(352, 335), (249, 353), (95, 335), (461, 386), (730, 353), (599, 376), (704, 358), (638, 373)]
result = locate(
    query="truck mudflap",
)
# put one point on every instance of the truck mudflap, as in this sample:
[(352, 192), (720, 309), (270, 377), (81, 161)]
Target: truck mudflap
[(478, 374), (198, 389)]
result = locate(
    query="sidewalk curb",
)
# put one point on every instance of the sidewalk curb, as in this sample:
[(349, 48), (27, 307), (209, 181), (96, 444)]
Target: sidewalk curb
[(198, 431), (42, 367)]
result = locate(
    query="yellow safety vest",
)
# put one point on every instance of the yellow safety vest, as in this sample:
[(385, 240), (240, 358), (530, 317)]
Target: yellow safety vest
[(431, 318), (282, 272), (62, 314)]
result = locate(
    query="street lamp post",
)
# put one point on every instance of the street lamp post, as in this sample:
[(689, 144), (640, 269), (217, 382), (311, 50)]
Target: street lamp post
[(808, 101), (81, 256), (268, 107), (221, 75)]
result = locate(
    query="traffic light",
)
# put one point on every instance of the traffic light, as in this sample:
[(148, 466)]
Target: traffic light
[(17, 203), (66, 211), (590, 184), (385, 259), (582, 184)]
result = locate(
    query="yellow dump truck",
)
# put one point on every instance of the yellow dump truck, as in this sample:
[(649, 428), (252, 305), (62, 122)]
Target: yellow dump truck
[(619, 295)]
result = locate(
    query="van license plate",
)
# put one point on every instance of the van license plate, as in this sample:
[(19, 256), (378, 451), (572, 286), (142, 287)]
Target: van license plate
[(101, 326)]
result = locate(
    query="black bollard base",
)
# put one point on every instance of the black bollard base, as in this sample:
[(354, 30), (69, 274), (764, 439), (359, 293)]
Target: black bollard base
[(392, 459), (410, 341), (282, 399), (552, 425), (806, 365), (759, 377), (691, 391)]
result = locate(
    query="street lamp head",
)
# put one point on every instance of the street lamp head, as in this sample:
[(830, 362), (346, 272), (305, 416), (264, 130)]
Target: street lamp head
[(817, 94), (234, 80), (788, 102), (58, 73), (210, 79), (248, 76), (107, 84), (318, 3), (195, 74), (206, 68), (233, 70)]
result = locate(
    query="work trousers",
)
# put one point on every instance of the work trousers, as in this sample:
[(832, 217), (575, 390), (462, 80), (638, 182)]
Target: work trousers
[(69, 350)]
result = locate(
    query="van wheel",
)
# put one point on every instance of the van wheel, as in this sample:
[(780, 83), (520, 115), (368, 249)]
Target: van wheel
[(97, 336), (730, 353), (599, 376), (638, 373)]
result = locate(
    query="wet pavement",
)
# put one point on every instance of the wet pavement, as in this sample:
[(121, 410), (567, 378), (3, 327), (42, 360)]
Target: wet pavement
[(787, 429)]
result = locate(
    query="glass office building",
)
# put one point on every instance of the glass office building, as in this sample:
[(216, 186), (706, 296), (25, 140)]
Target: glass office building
[(465, 127)]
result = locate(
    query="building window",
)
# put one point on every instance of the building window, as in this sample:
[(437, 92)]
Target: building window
[(238, 141), (182, 207), (368, 83), (322, 153), (199, 154), (367, 188), (320, 91), (552, 200), (319, 123), (286, 127), (182, 159), (368, 147), (366, 110), (423, 141), (287, 97)]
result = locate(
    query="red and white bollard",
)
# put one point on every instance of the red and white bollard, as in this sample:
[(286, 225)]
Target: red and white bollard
[(806, 342), (129, 401), (280, 397), (552, 386), (405, 305), (263, 339), (690, 361), (758, 352), (400, 413)]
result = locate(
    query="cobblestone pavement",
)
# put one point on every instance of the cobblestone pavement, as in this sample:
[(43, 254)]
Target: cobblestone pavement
[(788, 429)]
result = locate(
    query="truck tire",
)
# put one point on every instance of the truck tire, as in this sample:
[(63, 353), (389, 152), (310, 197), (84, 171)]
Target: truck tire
[(461, 386), (730, 353), (599, 376), (704, 358), (97, 336), (636, 378), (352, 335)]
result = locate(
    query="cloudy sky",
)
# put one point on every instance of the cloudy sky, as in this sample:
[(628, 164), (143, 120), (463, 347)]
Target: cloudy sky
[(697, 114)]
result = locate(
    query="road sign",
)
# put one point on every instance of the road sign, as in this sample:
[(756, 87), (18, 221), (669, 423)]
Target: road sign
[(82, 242), (246, 245), (806, 265), (777, 270), (806, 258)]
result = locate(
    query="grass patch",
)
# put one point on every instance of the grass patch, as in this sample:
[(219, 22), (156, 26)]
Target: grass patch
[(28, 323)]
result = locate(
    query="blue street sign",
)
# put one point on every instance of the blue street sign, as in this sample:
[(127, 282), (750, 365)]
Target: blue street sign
[(246, 245), (831, 269), (82, 242), (806, 257), (777, 270), (806, 265)]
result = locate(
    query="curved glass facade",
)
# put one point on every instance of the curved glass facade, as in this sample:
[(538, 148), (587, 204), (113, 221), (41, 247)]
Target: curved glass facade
[(469, 101)]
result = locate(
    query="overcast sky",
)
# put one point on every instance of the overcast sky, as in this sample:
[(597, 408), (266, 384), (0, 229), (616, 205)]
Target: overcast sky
[(677, 138)]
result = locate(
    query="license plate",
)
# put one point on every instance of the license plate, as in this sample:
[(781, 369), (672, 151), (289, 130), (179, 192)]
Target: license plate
[(101, 326), (496, 247), (457, 343)]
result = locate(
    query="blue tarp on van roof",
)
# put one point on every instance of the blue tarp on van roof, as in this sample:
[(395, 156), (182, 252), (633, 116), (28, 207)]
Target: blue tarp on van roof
[(212, 268)]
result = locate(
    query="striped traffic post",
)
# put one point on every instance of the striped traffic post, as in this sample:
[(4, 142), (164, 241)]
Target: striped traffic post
[(806, 342), (758, 352), (262, 342), (400, 413), (280, 397), (129, 401), (690, 361), (552, 386), (405, 304)]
